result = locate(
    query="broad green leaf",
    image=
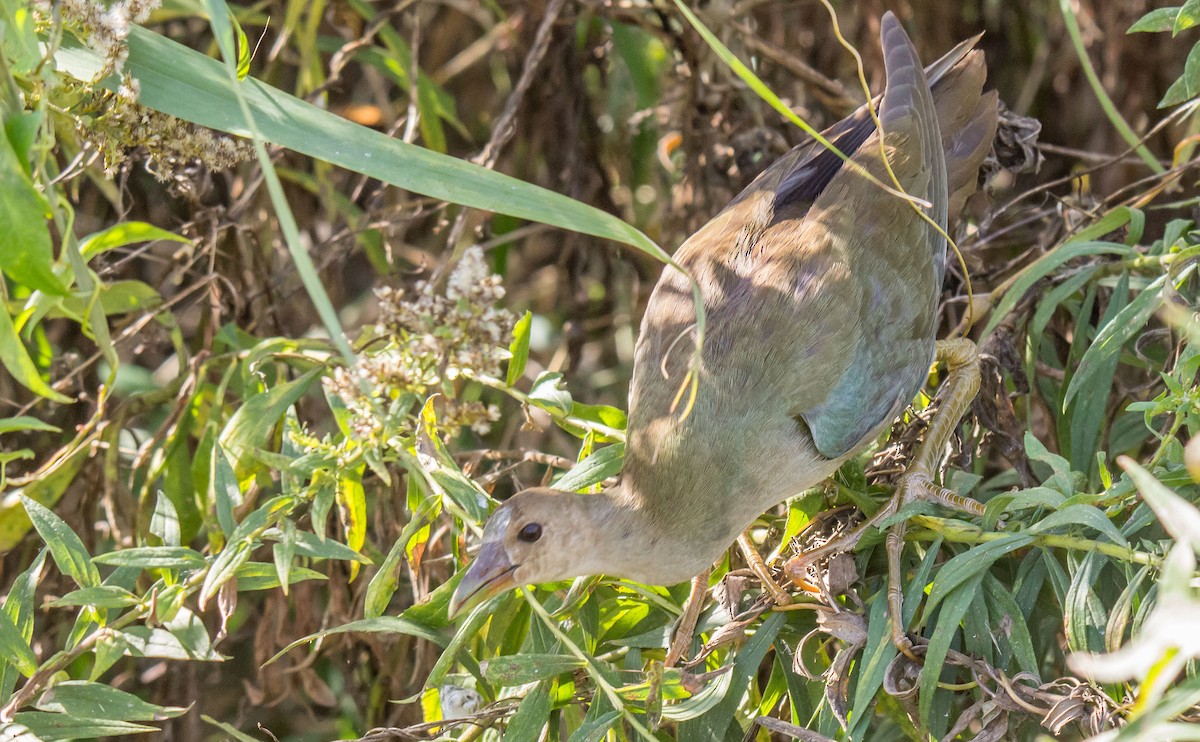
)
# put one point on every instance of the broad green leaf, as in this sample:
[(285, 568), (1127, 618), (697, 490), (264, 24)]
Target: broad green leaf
[(713, 724), (385, 581), (352, 509), (65, 547), (223, 569), (1083, 515), (263, 576), (594, 730), (83, 699), (948, 619), (602, 464), (226, 495), (519, 669), (182, 638), (164, 523), (547, 393), (184, 83), (310, 545), (966, 565), (1160, 19), (28, 255), (14, 647), (19, 609), (16, 360)]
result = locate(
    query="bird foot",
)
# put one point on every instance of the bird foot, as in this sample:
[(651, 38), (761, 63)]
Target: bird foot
[(760, 569), (917, 484), (686, 628)]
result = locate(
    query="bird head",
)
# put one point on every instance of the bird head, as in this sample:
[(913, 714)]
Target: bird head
[(530, 539)]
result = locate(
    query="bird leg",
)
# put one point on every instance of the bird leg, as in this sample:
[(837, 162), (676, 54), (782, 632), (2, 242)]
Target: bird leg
[(759, 567), (687, 621), (962, 382)]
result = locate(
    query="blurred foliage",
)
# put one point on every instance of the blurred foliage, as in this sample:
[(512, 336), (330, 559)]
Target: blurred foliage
[(261, 391)]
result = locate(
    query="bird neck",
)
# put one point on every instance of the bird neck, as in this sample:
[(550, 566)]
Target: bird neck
[(634, 541)]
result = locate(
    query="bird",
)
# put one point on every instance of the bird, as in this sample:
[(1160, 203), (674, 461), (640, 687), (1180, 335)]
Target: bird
[(820, 290)]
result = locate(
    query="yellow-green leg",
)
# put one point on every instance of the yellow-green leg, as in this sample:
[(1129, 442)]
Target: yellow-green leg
[(962, 382)]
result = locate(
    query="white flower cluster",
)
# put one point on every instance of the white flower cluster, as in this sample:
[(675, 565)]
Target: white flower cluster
[(432, 339), (105, 28)]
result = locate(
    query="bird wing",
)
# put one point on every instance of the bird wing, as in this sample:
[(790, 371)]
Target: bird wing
[(887, 265)]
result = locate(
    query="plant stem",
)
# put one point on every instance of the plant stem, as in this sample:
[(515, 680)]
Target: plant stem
[(961, 533)]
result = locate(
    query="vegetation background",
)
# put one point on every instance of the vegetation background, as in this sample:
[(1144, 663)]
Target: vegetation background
[(259, 393)]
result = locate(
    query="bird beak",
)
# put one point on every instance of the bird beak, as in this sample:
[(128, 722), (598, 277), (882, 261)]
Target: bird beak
[(491, 574)]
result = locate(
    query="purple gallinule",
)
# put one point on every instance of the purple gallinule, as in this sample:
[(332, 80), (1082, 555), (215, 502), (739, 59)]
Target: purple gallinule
[(821, 294)]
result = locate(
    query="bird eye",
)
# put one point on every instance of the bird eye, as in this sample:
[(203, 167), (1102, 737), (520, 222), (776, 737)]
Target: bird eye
[(530, 532)]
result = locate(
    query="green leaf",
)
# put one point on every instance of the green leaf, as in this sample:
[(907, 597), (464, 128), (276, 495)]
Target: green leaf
[(380, 625), (1113, 336), (1179, 517), (713, 724), (252, 422), (1187, 86), (602, 464), (122, 235), (1188, 16), (61, 726), (68, 551), (1081, 244), (531, 717), (19, 610), (518, 349), (16, 359), (385, 581), (182, 638), (83, 699), (547, 393), (310, 545), (164, 523), (153, 557), (184, 83), (14, 647), (968, 564), (25, 423), (1083, 515), (28, 255), (519, 669), (594, 730), (228, 729), (263, 576), (100, 596), (226, 494), (223, 569), (953, 610), (1160, 19)]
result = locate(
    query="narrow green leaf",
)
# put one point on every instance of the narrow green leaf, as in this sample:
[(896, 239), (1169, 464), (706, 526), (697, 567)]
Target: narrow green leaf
[(1113, 336), (1160, 19), (184, 83), (948, 619), (153, 557), (100, 596), (61, 726), (24, 423), (252, 422), (380, 625), (968, 564)]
